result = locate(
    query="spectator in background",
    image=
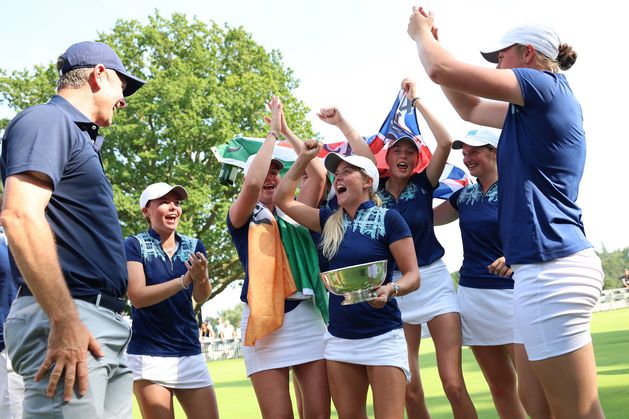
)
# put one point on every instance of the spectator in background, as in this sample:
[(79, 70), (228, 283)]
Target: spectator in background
[(228, 333), (625, 279), (219, 328), (206, 333)]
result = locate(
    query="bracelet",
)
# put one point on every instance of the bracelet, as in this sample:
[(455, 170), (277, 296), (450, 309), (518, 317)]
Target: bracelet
[(274, 134), (415, 99), (181, 282)]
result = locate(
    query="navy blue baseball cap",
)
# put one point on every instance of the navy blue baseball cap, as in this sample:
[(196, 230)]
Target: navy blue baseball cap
[(88, 54)]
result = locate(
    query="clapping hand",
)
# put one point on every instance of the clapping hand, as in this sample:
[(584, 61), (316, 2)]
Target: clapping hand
[(197, 266)]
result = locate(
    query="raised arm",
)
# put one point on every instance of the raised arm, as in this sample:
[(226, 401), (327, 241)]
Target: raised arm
[(465, 79), (312, 187), (32, 245), (243, 206), (306, 215), (359, 146), (489, 113), (444, 141)]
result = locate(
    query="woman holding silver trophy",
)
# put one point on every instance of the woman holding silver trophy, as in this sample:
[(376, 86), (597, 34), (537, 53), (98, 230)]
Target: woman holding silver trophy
[(364, 344)]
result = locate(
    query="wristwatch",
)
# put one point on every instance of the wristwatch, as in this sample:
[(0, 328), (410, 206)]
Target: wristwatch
[(396, 289)]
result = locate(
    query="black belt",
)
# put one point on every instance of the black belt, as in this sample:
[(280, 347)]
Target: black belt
[(99, 300)]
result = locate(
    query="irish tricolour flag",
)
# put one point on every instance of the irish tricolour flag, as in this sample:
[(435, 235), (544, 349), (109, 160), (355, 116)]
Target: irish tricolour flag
[(237, 150)]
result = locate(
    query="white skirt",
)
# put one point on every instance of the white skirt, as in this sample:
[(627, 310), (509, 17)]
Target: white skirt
[(435, 295), (553, 303), (486, 316), (182, 372), (386, 350), (298, 341)]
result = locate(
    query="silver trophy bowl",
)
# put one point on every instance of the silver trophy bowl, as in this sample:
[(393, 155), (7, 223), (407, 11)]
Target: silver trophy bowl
[(356, 283)]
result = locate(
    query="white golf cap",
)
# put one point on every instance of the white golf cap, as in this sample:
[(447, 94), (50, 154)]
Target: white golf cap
[(159, 189), (479, 137), (542, 37), (278, 162), (411, 140), (332, 160)]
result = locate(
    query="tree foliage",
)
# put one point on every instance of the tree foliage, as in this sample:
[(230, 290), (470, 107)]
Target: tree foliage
[(234, 315), (206, 84), (614, 265)]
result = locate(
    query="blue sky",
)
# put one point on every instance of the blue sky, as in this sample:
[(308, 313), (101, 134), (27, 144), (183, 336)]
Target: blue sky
[(353, 54)]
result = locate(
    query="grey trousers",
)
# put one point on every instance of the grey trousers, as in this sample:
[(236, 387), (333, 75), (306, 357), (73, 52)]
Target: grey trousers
[(110, 380)]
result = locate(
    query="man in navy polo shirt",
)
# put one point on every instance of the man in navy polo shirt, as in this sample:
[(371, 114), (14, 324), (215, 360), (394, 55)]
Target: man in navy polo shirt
[(64, 334)]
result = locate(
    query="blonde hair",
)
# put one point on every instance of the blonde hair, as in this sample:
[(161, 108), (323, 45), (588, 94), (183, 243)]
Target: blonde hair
[(333, 230)]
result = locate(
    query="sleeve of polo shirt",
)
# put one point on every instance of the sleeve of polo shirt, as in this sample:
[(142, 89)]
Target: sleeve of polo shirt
[(538, 87), (37, 140), (132, 249), (200, 248), (454, 199), (324, 214), (395, 227), (421, 180)]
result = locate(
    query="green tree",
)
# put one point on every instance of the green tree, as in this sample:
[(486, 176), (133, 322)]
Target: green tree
[(614, 265), (206, 84), (234, 315)]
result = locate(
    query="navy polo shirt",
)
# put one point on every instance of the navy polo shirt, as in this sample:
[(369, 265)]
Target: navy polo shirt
[(8, 288), (168, 328), (59, 141), (478, 220), (415, 205), (540, 164), (240, 239), (366, 238)]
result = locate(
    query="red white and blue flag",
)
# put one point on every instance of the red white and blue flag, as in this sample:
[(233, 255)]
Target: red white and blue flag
[(452, 179), (402, 122)]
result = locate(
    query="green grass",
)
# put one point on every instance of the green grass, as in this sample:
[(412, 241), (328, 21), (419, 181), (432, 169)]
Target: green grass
[(610, 331)]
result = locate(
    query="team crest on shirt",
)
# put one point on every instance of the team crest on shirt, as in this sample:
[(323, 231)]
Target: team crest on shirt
[(368, 222), (152, 249), (408, 194), (474, 193)]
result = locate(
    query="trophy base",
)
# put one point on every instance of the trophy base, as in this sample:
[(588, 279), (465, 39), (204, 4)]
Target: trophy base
[(360, 296)]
